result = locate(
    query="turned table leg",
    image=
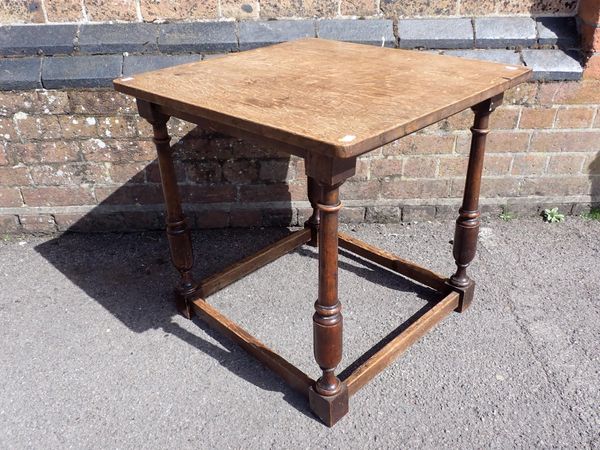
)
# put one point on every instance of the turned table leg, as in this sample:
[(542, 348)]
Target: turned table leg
[(467, 224), (314, 193), (329, 396), (178, 232)]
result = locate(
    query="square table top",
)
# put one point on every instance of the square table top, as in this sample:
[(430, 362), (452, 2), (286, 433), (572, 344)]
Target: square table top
[(334, 98)]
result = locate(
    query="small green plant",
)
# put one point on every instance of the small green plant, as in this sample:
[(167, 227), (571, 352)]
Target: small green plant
[(594, 214), (553, 216), (506, 215)]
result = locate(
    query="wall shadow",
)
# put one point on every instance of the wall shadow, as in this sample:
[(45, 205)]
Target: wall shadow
[(594, 174), (130, 275)]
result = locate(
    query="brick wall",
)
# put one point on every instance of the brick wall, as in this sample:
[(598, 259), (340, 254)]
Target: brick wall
[(83, 158), (52, 11)]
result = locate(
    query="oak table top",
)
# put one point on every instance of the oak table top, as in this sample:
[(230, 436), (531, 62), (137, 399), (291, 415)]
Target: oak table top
[(335, 98)]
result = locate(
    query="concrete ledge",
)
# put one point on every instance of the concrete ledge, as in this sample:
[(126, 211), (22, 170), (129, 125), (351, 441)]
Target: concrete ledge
[(373, 32), (81, 71), (260, 34), (553, 65), (197, 37), (144, 63), (499, 56), (118, 38), (20, 73), (37, 39), (505, 32), (560, 31), (435, 33)]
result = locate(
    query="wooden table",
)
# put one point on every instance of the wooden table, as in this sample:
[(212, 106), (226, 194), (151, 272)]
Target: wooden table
[(327, 102)]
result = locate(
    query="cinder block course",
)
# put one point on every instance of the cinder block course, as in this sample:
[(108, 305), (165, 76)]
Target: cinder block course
[(260, 34), (144, 63), (435, 33), (37, 39), (20, 73), (118, 38), (561, 31), (505, 32), (552, 65), (197, 37), (496, 55), (81, 71), (374, 32)]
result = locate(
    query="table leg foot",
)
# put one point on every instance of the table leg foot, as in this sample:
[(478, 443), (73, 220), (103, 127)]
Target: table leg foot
[(329, 408), (466, 295)]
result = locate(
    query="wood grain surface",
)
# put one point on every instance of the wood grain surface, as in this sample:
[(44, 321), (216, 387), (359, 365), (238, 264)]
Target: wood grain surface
[(335, 98)]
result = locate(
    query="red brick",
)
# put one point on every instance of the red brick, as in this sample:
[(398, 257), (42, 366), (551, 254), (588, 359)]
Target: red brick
[(386, 167), (592, 165), (3, 155), (494, 187), (200, 171), (574, 117), (272, 9), (178, 9), (415, 167), (245, 218), (212, 219), (497, 142), (383, 214), (64, 10), (7, 129), (504, 119), (14, 176), (58, 151), (537, 118), (117, 151), (213, 148), (130, 194), (363, 164), (597, 121), (240, 9), (559, 186), (153, 172), (104, 102), (565, 141), (592, 67), (277, 170), (117, 127), (105, 10), (37, 223), (29, 11), (10, 197), (455, 166), (350, 215), (9, 224), (298, 190), (223, 193), (38, 127), (420, 144), (265, 192), (523, 94), (243, 171), (494, 165), (421, 189), (243, 149), (50, 102), (418, 8), (358, 7), (57, 196), (74, 127), (69, 174), (589, 11), (590, 37), (360, 190), (569, 93), (530, 164), (565, 164), (127, 172)]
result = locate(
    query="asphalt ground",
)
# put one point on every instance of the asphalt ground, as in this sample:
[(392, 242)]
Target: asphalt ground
[(94, 355)]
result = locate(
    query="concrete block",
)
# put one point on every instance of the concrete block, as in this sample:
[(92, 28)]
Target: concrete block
[(118, 38), (37, 39), (144, 63), (499, 56), (435, 33), (505, 32), (20, 73), (373, 32), (197, 37), (553, 65), (260, 34), (561, 31), (80, 71)]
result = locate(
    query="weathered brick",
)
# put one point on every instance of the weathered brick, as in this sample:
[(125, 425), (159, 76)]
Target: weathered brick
[(497, 142), (350, 215), (537, 118), (422, 189), (245, 218), (569, 93), (178, 9), (455, 166), (208, 194), (386, 167), (200, 172), (3, 153), (74, 127), (574, 117), (100, 102), (38, 127), (21, 11), (114, 150), (589, 11), (69, 174), (566, 164), (420, 167), (212, 219), (105, 10), (492, 187), (523, 94), (383, 214), (58, 151), (10, 197), (494, 165), (133, 173), (504, 119), (243, 171), (58, 196), (425, 8), (279, 217), (592, 165), (597, 120), (590, 37), (50, 102), (64, 10), (117, 127), (37, 223), (530, 164), (570, 185), (7, 129), (9, 224), (130, 194), (359, 190), (420, 144), (265, 192), (358, 7), (477, 7), (565, 141), (592, 67), (14, 176), (240, 9), (276, 170), (273, 9)]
